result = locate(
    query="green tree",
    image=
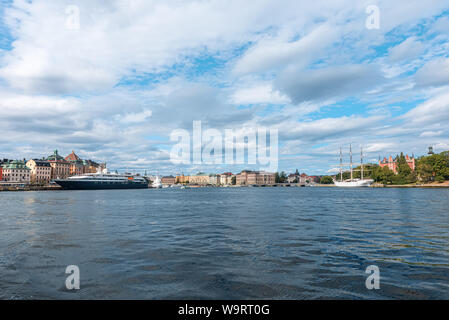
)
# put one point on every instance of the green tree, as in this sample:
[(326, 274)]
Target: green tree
[(280, 177), (435, 165), (234, 180), (383, 175), (326, 180), (424, 172)]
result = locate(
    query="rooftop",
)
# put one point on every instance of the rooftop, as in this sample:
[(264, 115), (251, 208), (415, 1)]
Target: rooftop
[(72, 157)]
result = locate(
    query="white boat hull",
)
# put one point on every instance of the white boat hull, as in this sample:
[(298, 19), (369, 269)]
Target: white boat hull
[(354, 183)]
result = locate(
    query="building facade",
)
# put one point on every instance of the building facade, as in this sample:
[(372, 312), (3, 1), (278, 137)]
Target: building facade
[(16, 172), (249, 178), (200, 178), (93, 167), (214, 179), (182, 179), (76, 164), (226, 178), (40, 170), (168, 180), (79, 166), (392, 164), (60, 168)]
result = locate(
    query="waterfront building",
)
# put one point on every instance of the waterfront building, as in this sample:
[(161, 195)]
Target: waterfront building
[(79, 166), (226, 178), (392, 164), (60, 168), (93, 167), (294, 177), (214, 179), (16, 172), (1, 173), (40, 170), (76, 164), (182, 179), (247, 177), (315, 179), (168, 180), (200, 178)]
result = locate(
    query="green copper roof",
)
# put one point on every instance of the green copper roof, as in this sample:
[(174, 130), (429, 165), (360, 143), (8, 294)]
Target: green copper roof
[(55, 157), (16, 164)]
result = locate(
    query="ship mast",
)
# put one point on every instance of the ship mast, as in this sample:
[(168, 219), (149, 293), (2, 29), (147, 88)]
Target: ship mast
[(341, 166), (361, 162), (350, 156)]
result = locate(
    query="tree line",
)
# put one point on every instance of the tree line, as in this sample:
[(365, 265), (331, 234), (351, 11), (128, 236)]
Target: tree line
[(428, 168)]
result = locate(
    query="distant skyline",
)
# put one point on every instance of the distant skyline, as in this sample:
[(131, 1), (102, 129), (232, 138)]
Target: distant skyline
[(111, 80)]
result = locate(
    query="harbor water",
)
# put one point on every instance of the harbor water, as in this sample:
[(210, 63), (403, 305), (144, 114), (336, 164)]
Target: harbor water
[(225, 243)]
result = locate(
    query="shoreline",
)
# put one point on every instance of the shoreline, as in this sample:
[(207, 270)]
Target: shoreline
[(30, 188), (424, 186)]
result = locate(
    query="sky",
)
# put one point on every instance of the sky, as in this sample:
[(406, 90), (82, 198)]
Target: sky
[(113, 79)]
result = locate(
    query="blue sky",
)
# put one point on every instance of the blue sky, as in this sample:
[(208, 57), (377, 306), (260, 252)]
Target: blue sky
[(115, 86)]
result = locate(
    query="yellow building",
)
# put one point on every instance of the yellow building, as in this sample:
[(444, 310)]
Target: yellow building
[(40, 170), (182, 179), (200, 178)]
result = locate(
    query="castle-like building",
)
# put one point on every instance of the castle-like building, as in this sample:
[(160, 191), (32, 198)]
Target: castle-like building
[(392, 164)]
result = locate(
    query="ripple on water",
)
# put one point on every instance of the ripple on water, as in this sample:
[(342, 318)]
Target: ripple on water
[(231, 243)]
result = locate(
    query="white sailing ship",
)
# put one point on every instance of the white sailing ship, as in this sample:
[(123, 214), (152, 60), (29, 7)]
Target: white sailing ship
[(157, 183), (352, 182)]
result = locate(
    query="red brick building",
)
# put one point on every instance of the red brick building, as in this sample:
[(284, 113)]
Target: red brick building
[(393, 165)]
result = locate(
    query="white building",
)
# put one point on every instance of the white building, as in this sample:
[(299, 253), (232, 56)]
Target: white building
[(226, 178), (16, 172)]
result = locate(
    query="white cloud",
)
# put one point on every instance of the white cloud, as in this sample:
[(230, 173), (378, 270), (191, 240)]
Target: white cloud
[(431, 133), (275, 52), (260, 94), (130, 118), (115, 88), (431, 112), (408, 49), (434, 73), (328, 83)]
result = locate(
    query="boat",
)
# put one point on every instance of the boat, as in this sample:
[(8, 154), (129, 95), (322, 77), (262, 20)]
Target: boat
[(157, 183), (103, 180), (352, 182)]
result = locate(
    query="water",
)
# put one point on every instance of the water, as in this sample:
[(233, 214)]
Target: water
[(229, 243)]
